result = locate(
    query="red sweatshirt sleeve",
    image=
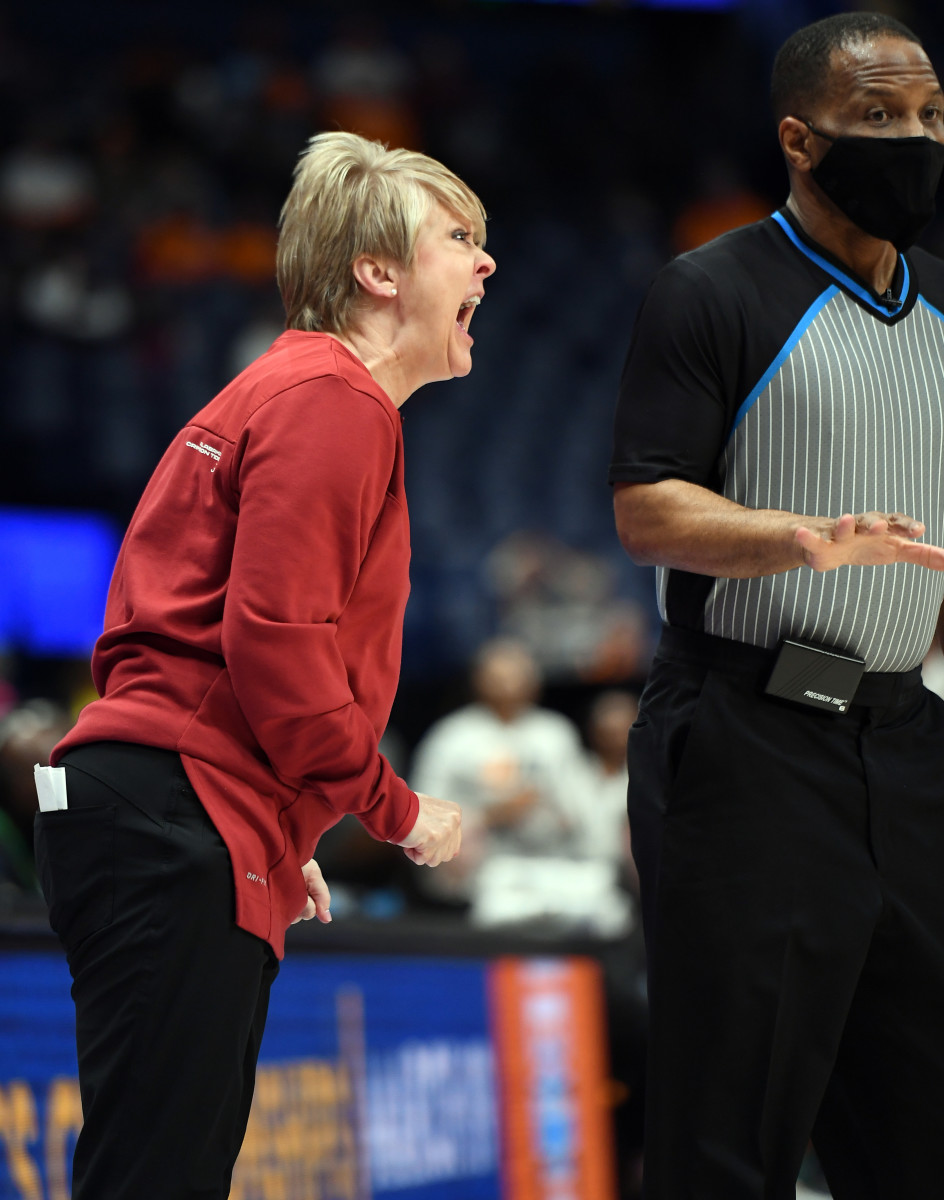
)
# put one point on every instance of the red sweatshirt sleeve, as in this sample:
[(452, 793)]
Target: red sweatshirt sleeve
[(311, 474)]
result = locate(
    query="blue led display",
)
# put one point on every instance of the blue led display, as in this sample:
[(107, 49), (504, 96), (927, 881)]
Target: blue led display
[(55, 567)]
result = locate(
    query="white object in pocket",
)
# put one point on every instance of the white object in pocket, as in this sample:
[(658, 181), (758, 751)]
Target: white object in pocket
[(50, 787)]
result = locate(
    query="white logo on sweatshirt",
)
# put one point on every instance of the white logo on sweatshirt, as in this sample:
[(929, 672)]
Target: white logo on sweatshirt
[(209, 451)]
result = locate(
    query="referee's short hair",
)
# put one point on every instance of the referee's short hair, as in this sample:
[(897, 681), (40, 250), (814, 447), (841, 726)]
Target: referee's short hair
[(350, 197), (801, 69)]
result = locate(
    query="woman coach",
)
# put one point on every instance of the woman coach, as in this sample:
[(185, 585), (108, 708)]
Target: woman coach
[(246, 672)]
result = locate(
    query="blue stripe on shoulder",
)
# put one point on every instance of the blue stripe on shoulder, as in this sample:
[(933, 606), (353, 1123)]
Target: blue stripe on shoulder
[(930, 307), (846, 280), (805, 322)]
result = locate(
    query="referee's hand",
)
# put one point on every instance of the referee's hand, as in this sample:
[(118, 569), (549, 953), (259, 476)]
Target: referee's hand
[(870, 539)]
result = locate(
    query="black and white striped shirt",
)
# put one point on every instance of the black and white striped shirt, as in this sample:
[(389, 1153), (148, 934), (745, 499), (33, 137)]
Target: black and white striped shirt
[(762, 368)]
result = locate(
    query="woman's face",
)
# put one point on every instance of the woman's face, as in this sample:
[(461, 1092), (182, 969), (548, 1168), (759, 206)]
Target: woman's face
[(438, 297)]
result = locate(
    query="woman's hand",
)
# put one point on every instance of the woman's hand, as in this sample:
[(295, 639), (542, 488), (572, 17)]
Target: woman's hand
[(437, 833), (319, 898)]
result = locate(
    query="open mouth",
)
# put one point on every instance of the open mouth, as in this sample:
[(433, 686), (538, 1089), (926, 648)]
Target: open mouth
[(466, 309)]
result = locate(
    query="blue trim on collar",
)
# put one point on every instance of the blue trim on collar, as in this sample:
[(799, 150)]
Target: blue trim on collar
[(930, 307), (805, 322), (846, 280)]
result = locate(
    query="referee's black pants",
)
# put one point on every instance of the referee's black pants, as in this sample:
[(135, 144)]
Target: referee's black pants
[(170, 995), (792, 872)]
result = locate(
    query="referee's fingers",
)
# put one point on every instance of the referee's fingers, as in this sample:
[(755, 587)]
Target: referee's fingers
[(930, 557), (904, 525)]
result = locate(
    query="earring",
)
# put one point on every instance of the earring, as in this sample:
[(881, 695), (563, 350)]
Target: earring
[(393, 291)]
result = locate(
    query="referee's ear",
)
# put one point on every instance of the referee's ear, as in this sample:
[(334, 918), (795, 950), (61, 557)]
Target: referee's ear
[(795, 141)]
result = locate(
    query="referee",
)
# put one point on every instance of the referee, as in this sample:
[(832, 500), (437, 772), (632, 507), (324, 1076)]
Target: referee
[(787, 767)]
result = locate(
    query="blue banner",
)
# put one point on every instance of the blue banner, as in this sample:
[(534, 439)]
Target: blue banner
[(376, 1078)]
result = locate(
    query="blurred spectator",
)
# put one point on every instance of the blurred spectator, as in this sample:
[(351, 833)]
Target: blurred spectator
[(62, 296), (515, 768), (44, 185), (366, 84), (604, 827), (246, 250), (27, 735), (177, 248), (562, 603), (510, 764), (723, 202)]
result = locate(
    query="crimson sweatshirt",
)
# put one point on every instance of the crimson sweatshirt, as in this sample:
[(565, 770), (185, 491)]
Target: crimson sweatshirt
[(254, 619)]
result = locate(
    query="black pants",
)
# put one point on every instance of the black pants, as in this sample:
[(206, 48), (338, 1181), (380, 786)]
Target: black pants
[(170, 995), (792, 867)]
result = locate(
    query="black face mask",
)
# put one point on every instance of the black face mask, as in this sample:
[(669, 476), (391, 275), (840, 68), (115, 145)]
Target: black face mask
[(887, 186)]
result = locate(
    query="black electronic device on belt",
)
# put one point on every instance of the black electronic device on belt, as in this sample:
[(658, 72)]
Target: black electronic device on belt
[(816, 676)]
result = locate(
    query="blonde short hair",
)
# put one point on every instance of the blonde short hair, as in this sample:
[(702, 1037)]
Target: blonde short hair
[(350, 197)]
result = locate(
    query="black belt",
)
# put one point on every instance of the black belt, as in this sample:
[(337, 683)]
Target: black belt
[(877, 689)]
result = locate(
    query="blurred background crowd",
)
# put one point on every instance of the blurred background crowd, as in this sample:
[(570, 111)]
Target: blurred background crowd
[(145, 151)]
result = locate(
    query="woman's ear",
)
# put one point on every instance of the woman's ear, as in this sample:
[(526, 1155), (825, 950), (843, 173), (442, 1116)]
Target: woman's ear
[(374, 277)]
